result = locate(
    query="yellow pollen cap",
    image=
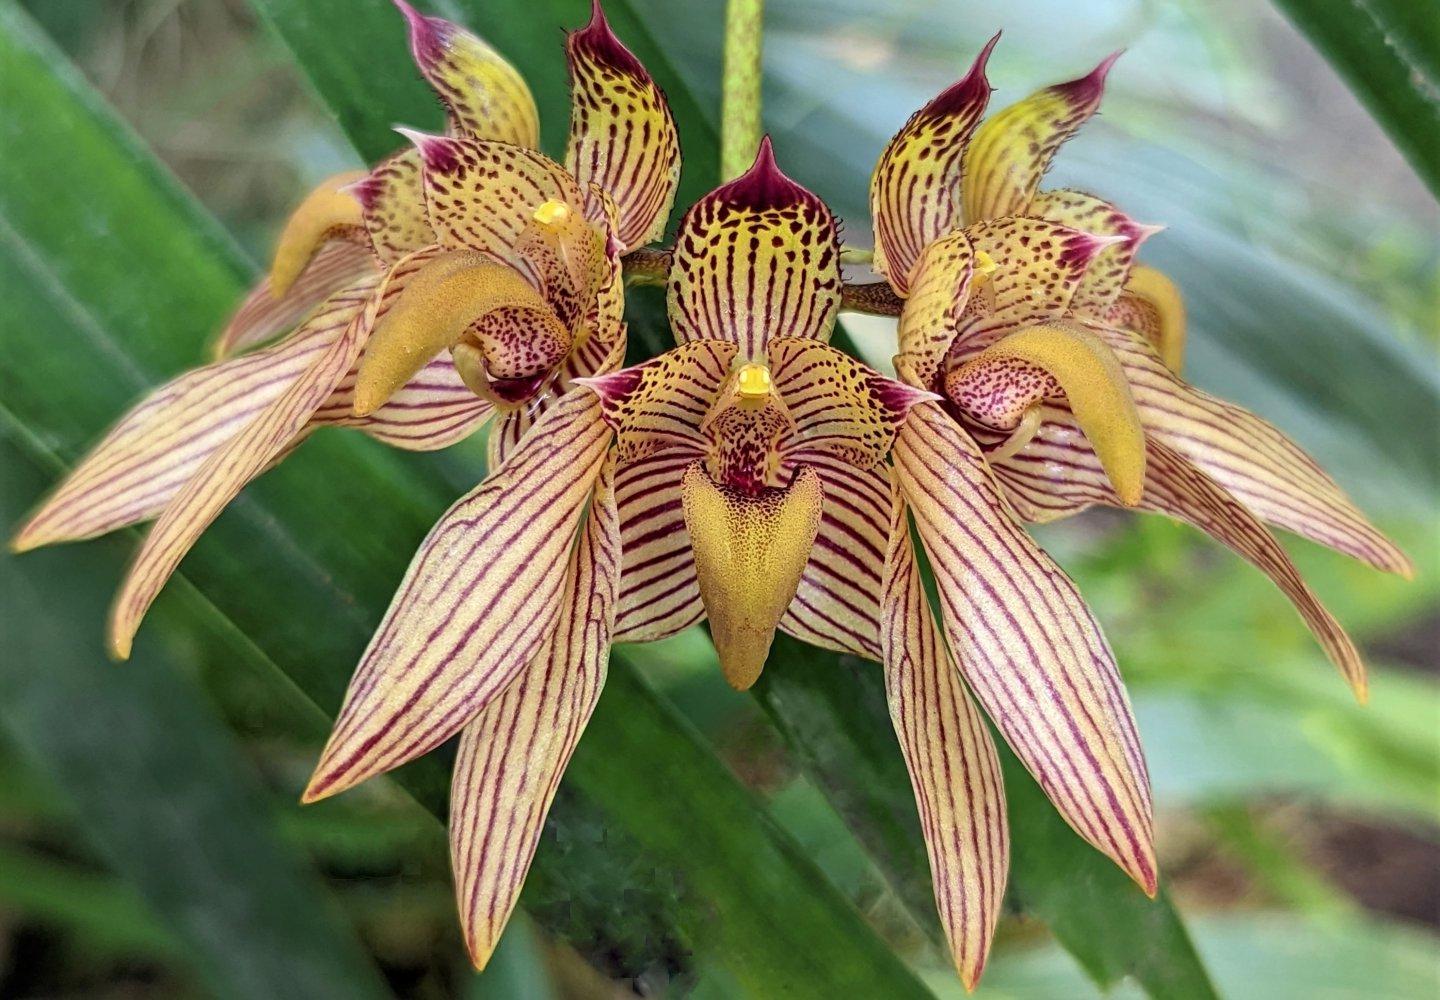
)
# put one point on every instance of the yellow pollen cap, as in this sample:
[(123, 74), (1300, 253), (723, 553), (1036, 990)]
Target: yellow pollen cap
[(552, 213), (752, 381), (984, 263)]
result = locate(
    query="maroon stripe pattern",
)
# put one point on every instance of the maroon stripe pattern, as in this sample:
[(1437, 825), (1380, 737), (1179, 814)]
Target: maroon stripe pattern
[(262, 316), (1263, 468), (1057, 474), (755, 259), (622, 136), (137, 469), (480, 598), (259, 444), (513, 753), (1029, 648), (952, 763), (915, 190), (392, 205), (1105, 277)]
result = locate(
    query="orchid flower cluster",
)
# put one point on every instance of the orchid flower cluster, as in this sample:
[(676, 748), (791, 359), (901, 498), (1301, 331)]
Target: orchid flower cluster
[(754, 476)]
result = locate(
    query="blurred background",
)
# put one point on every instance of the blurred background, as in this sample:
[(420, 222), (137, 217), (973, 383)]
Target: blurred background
[(151, 843)]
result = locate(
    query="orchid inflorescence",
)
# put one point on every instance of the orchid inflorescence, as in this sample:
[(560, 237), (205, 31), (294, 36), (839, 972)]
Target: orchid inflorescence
[(753, 476)]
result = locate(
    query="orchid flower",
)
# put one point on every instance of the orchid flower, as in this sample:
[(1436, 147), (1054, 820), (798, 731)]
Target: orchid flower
[(740, 476), (475, 276), (1056, 360)]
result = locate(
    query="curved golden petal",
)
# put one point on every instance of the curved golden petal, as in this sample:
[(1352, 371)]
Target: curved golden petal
[(449, 295), (750, 550), (1013, 149), (485, 96), (622, 136), (328, 212), (1025, 368), (754, 259), (915, 189)]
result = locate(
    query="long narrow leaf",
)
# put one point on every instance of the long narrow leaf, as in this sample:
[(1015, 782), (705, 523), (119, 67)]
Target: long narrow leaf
[(1388, 51), (159, 786)]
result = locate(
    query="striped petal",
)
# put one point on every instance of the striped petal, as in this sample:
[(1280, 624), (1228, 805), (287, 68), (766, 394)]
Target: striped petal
[(263, 440), (143, 462), (839, 407), (485, 196), (756, 258), (433, 410), (1013, 149), (513, 753), (392, 206), (660, 405), (659, 594), (622, 136), (837, 605), (1108, 272), (1057, 474), (915, 190), (750, 549), (263, 315), (485, 96), (477, 603), (1027, 645), (1263, 468), (327, 213), (1019, 372), (952, 762), (935, 312)]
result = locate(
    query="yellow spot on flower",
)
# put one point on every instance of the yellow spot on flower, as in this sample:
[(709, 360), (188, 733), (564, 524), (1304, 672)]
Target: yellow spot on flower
[(552, 213), (752, 381), (984, 263)]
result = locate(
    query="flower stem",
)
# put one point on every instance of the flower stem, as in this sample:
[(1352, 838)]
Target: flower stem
[(740, 86)]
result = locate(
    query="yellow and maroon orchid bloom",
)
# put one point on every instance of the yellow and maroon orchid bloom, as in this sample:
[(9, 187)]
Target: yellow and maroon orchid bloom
[(740, 476), (1056, 357), (474, 276)]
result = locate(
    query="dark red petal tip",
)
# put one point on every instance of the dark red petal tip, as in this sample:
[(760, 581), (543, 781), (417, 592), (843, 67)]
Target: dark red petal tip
[(429, 36), (437, 150), (971, 88), (763, 186), (600, 43), (1090, 86)]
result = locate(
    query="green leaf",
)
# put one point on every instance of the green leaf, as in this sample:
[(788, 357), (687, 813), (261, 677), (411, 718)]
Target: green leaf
[(1388, 51), (158, 785), (111, 282)]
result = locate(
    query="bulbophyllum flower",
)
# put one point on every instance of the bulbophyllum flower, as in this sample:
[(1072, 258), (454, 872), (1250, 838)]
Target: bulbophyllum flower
[(740, 476), (475, 277), (1057, 357)]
